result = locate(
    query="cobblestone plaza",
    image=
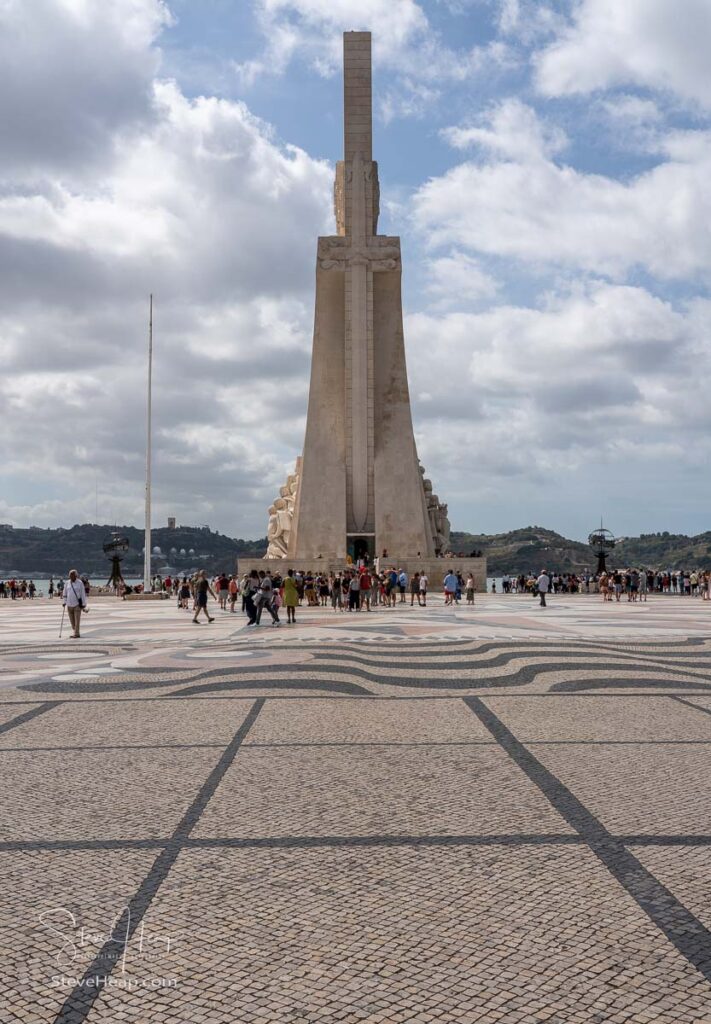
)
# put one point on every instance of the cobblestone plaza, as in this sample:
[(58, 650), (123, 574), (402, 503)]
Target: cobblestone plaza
[(414, 815)]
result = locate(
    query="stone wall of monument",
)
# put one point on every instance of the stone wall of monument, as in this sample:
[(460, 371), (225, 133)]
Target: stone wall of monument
[(436, 568)]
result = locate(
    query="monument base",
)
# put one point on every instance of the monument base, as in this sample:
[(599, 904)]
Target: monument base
[(436, 568)]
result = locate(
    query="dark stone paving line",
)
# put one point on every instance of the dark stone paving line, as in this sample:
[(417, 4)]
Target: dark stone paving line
[(27, 716), (79, 1002), (354, 842), (522, 677), (352, 743), (117, 746), (413, 648), (372, 743), (176, 695), (308, 678), (616, 743), (55, 648), (435, 647), (54, 845), (123, 684), (469, 743), (576, 686), (297, 682), (678, 924), (474, 659), (690, 704), (307, 842), (665, 840)]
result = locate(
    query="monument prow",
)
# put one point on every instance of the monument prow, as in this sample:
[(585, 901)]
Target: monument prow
[(359, 487)]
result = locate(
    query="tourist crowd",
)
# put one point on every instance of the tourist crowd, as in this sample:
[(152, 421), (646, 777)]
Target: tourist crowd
[(635, 583), (18, 589), (361, 588), (354, 589)]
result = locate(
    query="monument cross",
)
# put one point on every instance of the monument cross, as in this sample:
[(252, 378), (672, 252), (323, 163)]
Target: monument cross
[(358, 251), (359, 487)]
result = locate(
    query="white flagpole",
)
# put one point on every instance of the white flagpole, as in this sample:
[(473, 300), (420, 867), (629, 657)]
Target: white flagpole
[(147, 552)]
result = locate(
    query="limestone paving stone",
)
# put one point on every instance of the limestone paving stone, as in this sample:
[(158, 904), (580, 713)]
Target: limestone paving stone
[(438, 790), (408, 935), (515, 932), (637, 789), (47, 898), (95, 794), (599, 718), (123, 723), (367, 721)]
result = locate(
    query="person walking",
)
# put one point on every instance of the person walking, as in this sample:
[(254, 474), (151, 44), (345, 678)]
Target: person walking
[(543, 583), (291, 597), (415, 589), (469, 587), (265, 599), (50, 589), (450, 587), (202, 589), (250, 587), (424, 581), (365, 585), (233, 591), (354, 593), (74, 600), (337, 593), (223, 589)]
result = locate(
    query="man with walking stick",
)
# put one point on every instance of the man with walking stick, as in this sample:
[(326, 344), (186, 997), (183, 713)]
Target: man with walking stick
[(74, 600)]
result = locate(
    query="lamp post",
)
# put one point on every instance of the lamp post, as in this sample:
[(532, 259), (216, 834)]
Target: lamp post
[(147, 549)]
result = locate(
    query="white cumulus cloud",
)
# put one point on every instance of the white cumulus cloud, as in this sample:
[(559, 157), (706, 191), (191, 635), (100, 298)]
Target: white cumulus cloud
[(659, 44), (521, 203), (198, 202)]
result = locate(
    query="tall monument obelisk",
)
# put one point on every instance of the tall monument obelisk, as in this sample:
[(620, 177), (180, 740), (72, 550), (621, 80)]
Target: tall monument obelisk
[(359, 486)]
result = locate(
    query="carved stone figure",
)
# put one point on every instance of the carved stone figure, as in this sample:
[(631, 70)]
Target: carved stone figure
[(281, 518), (437, 515), (275, 535), (443, 527)]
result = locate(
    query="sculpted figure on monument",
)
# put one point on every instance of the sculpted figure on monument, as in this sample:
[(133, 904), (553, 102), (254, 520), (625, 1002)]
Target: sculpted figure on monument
[(443, 525), (281, 519), (437, 514)]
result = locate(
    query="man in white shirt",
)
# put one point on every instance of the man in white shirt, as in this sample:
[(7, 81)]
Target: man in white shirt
[(422, 597), (74, 599), (543, 583)]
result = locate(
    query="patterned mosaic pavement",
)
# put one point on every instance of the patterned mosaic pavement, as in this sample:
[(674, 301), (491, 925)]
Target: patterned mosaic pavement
[(498, 814)]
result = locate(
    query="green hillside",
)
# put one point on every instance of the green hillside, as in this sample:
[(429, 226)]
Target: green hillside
[(533, 548), (39, 552)]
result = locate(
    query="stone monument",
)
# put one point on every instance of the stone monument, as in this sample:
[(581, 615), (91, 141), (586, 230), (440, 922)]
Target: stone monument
[(358, 489)]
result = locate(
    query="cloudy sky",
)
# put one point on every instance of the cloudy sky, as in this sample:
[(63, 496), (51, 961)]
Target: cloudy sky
[(546, 162)]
